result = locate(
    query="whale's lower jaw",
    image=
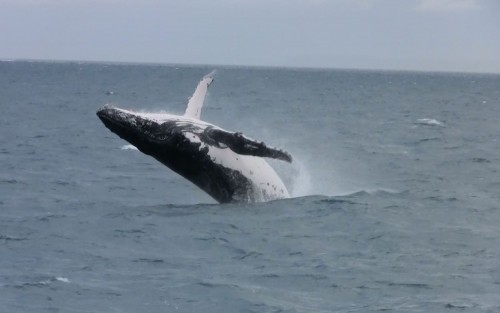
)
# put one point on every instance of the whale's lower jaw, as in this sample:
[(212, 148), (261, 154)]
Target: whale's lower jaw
[(183, 146)]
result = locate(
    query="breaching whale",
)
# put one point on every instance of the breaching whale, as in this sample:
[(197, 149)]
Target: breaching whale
[(229, 166)]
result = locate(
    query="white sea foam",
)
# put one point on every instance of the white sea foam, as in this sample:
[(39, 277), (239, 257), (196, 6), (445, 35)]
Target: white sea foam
[(129, 147), (429, 122), (62, 279), (301, 184)]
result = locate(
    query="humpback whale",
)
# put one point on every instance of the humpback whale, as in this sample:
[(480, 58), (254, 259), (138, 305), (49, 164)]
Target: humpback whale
[(229, 166)]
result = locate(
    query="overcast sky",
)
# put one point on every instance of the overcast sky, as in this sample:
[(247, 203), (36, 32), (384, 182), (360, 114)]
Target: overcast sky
[(442, 35)]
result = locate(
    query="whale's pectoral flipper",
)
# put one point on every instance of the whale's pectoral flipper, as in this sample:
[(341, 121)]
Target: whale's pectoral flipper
[(195, 103), (243, 145)]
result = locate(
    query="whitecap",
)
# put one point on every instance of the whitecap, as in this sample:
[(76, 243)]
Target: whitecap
[(429, 122), (62, 279)]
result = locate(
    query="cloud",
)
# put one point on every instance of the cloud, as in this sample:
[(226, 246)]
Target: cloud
[(447, 5)]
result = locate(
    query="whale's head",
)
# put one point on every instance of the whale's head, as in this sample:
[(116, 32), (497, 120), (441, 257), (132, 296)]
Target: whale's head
[(129, 126), (139, 129)]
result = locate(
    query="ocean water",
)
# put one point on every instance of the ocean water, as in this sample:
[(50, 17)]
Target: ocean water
[(395, 184)]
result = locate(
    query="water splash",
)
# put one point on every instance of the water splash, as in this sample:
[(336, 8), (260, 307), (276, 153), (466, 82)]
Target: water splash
[(129, 147), (301, 183)]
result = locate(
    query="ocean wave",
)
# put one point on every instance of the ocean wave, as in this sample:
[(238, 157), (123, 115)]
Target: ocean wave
[(41, 282)]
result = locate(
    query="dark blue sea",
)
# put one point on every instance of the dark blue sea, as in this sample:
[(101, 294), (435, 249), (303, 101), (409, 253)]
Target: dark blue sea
[(395, 184)]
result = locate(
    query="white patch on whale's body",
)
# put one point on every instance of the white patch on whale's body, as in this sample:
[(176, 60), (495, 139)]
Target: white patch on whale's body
[(267, 183)]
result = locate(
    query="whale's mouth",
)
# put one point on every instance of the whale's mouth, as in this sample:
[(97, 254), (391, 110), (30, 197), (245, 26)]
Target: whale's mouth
[(111, 115), (105, 115), (112, 120), (125, 124)]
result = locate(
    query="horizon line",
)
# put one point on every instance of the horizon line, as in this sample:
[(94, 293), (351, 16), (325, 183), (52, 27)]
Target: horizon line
[(229, 66)]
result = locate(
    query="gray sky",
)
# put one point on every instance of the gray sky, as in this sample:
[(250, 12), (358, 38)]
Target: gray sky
[(443, 35)]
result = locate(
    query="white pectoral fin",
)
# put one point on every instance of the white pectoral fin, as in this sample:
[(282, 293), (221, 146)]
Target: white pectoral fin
[(195, 103)]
